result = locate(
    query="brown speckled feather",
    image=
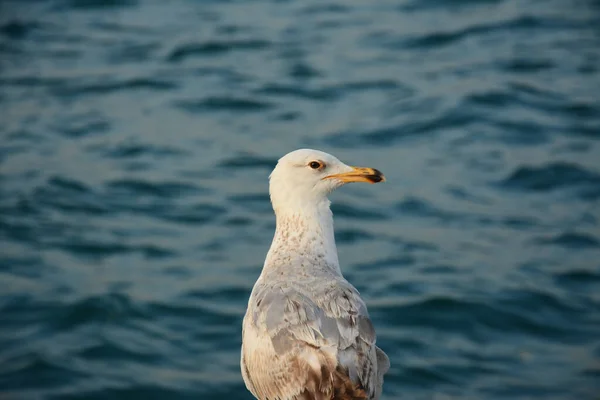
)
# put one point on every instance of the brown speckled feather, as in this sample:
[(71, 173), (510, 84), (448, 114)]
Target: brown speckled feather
[(334, 385)]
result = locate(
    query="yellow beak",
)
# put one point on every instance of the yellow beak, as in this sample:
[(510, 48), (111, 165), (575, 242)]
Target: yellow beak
[(359, 174)]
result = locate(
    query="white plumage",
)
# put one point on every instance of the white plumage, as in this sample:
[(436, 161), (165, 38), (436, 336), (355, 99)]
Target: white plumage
[(307, 333)]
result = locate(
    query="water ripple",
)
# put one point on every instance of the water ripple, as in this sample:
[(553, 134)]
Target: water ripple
[(573, 240), (552, 176), (419, 129), (214, 47), (131, 150), (439, 39), (77, 89), (248, 161), (135, 216), (140, 187), (223, 104)]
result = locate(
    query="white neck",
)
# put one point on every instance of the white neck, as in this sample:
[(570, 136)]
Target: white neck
[(304, 240)]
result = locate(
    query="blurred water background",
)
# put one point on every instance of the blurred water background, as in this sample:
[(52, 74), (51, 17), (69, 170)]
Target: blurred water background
[(136, 142)]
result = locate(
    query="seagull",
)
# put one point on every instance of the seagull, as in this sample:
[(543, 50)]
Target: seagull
[(307, 332)]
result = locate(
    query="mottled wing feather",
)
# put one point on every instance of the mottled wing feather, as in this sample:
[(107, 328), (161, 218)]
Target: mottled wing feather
[(244, 367), (336, 320)]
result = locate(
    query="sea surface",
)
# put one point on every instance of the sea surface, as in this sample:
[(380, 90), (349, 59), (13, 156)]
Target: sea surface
[(136, 140)]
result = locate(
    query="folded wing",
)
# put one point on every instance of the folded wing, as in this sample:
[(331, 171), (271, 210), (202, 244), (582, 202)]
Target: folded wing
[(317, 344)]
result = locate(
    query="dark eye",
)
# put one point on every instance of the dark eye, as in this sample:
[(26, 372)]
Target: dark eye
[(315, 165)]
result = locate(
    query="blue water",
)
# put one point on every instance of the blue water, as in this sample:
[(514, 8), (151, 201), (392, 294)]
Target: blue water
[(136, 142)]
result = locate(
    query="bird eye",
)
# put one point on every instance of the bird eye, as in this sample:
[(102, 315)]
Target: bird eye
[(316, 165)]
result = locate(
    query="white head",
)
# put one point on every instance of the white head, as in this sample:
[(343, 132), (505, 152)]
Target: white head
[(303, 178)]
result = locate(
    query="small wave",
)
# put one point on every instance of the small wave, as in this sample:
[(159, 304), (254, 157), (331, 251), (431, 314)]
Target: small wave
[(80, 125), (572, 240), (493, 98), (330, 92), (579, 279), (20, 265), (214, 47), (17, 29), (546, 316), (200, 311), (344, 236), (420, 129), (327, 8), (302, 70), (110, 350), (298, 91), (439, 269), (153, 203), (59, 316), (522, 65), (18, 230), (133, 391), (94, 4), (375, 84), (259, 202), (421, 376), (70, 185), (86, 128), (138, 187), (127, 151), (108, 308), (441, 39), (390, 263), (418, 207), (68, 195), (37, 371), (551, 176), (426, 5), (237, 104), (462, 193), (582, 110), (348, 211), (219, 295), (519, 96), (237, 221), (248, 161), (287, 116), (108, 86), (521, 132), (194, 214), (77, 87), (53, 83), (92, 248), (137, 53), (521, 222)]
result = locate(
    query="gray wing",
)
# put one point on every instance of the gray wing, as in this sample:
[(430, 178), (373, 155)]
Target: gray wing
[(332, 319)]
